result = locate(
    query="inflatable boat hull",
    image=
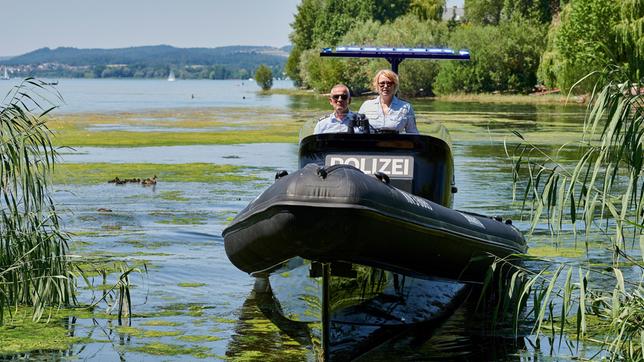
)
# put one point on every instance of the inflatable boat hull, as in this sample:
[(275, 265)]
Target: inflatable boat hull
[(339, 213)]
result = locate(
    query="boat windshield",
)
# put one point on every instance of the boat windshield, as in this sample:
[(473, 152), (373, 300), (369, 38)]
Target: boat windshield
[(426, 127)]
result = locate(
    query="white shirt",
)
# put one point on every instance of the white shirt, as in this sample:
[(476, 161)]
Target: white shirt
[(400, 116), (330, 124)]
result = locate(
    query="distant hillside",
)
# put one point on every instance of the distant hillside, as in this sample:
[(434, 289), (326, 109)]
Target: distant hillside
[(149, 61)]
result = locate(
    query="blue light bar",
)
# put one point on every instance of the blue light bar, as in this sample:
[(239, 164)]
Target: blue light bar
[(397, 54)]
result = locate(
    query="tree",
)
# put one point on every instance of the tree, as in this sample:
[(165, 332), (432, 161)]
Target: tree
[(496, 11), (581, 42), (389, 10), (323, 23), (503, 58), (427, 9), (264, 77), (302, 35), (416, 76), (629, 33), (483, 11)]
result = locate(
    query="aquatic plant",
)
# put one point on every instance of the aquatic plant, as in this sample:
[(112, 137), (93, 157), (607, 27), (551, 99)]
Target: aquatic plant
[(33, 248), (602, 194), (35, 267)]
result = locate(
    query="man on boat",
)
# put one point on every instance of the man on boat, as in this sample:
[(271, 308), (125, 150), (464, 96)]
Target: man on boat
[(342, 119)]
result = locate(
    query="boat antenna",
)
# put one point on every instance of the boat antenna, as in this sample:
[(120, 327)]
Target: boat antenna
[(396, 55)]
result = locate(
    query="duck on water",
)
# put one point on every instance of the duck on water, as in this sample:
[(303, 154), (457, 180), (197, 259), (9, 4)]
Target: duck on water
[(365, 228)]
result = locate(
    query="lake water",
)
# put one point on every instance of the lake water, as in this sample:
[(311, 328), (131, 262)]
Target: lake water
[(191, 296), (131, 95)]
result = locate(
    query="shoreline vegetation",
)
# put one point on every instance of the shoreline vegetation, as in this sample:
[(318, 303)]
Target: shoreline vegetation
[(533, 98)]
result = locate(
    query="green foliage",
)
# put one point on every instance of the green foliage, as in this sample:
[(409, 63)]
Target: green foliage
[(511, 48), (494, 12), (483, 11), (387, 10), (33, 249), (292, 67), (629, 32), (583, 41), (605, 182), (303, 25), (503, 58), (322, 73), (337, 18), (323, 23), (302, 36), (264, 77), (427, 9)]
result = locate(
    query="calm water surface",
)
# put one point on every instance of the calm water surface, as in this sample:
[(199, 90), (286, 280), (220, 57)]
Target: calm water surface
[(130, 95), (191, 295)]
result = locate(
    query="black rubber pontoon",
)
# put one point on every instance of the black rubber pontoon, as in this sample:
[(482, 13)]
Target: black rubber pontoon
[(340, 213)]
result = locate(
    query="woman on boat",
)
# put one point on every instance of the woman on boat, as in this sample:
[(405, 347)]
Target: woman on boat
[(388, 112)]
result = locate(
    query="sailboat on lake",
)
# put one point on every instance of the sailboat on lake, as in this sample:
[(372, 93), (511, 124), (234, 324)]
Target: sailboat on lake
[(5, 76), (171, 77)]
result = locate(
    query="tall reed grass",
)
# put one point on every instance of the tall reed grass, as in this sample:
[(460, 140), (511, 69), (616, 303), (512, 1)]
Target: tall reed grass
[(33, 266), (602, 194)]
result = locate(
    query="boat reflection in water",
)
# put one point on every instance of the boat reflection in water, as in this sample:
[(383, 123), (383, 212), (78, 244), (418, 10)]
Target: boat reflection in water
[(357, 307), (373, 315)]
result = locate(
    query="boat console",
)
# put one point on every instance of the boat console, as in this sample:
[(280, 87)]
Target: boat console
[(418, 164)]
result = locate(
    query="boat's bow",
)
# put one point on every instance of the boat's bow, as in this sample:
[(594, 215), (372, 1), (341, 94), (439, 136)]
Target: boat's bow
[(338, 213)]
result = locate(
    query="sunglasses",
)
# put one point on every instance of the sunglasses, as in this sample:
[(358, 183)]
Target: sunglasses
[(339, 97), (388, 84)]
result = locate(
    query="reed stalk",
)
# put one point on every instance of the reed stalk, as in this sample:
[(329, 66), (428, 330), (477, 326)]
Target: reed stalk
[(602, 193), (33, 248)]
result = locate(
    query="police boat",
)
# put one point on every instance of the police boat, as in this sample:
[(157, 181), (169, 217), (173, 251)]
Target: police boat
[(379, 199), (362, 237)]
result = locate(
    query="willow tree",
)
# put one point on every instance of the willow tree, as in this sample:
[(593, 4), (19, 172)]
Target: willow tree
[(583, 39), (629, 33), (33, 249)]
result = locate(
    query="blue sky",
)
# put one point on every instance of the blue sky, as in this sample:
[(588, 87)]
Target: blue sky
[(33, 24)]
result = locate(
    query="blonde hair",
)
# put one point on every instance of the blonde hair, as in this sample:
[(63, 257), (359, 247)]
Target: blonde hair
[(390, 75)]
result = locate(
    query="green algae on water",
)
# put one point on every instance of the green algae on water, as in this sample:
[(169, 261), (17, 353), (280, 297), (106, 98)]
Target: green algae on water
[(552, 251), (191, 285), (164, 349), (161, 323), (20, 334), (185, 220), (173, 196), (101, 173), (195, 338), (146, 333)]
